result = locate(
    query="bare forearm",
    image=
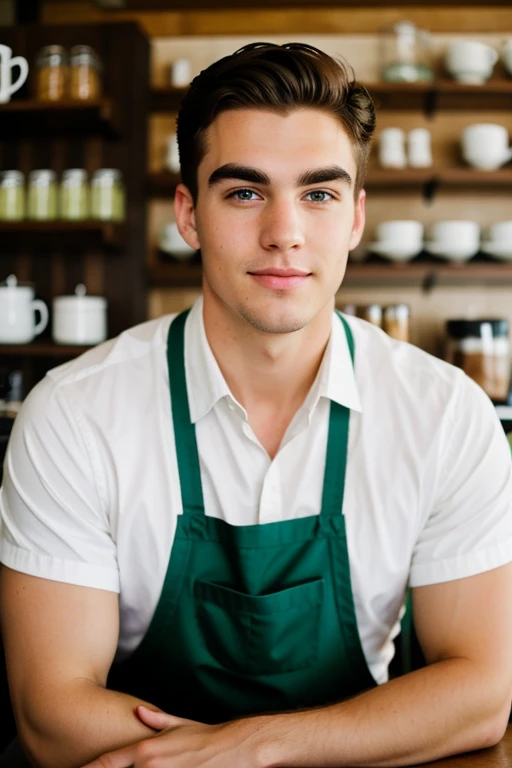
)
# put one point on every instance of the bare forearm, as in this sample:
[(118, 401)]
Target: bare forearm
[(446, 708), (79, 724)]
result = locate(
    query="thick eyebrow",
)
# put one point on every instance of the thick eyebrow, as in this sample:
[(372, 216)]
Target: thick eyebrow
[(253, 176)]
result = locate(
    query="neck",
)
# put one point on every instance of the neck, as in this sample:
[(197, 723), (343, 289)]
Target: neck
[(266, 371)]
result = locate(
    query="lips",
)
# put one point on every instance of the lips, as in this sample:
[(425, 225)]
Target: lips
[(280, 279)]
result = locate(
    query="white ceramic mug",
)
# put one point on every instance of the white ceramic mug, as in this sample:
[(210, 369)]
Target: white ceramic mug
[(7, 63), (392, 148), (17, 313), (506, 55), (500, 233), (456, 234), (470, 61), (181, 73), (419, 150), (486, 146), (171, 242), (79, 319), (172, 156), (404, 233)]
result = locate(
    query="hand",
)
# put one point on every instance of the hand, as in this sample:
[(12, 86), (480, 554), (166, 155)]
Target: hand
[(182, 743)]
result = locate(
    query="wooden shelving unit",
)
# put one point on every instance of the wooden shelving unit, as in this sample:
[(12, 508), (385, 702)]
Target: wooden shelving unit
[(26, 117), (22, 233), (42, 349), (190, 5)]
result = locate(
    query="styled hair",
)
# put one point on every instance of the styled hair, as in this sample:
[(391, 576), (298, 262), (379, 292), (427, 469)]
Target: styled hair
[(279, 78)]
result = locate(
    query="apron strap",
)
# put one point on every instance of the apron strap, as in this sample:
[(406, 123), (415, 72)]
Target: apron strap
[(184, 430), (185, 435)]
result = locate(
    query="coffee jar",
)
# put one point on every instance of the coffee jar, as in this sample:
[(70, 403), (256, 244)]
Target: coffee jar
[(85, 83), (481, 348), (52, 65), (12, 196)]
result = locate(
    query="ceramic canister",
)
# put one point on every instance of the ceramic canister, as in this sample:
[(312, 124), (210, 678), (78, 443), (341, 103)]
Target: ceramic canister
[(79, 319)]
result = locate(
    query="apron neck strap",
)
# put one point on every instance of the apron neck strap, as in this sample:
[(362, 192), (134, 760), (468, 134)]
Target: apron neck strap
[(185, 434)]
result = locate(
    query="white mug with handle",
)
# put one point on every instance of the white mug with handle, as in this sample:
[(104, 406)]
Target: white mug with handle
[(7, 63)]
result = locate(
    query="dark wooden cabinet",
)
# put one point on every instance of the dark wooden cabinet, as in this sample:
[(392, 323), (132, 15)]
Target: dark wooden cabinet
[(109, 133)]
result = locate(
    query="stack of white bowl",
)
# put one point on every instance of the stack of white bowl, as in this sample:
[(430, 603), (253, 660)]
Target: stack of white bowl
[(398, 241), (498, 241), (455, 241)]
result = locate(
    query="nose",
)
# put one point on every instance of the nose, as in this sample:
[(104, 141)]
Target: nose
[(282, 228)]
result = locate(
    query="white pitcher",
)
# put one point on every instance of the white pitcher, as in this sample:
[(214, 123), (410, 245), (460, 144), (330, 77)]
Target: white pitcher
[(7, 63), (17, 307)]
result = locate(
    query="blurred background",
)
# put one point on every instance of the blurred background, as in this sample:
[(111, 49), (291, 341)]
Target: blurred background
[(89, 167)]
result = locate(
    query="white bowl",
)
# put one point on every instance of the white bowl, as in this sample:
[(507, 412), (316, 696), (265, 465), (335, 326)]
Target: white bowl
[(471, 77), (395, 251), (452, 252), (502, 251)]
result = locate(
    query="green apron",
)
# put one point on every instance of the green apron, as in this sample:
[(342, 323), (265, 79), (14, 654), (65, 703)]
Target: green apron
[(251, 619)]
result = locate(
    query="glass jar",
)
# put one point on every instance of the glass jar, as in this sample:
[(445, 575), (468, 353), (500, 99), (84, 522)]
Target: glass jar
[(481, 348), (396, 321), (42, 195), (372, 313), (405, 54), (12, 196), (85, 83), (107, 195), (74, 195), (52, 73)]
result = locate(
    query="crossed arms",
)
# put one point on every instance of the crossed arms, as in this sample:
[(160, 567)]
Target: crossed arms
[(60, 641)]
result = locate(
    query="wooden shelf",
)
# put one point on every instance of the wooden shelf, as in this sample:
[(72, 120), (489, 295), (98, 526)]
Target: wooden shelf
[(192, 5), (166, 99), (419, 272), (43, 349), (18, 233), (441, 94), (163, 184), (427, 97), (430, 179), (29, 117)]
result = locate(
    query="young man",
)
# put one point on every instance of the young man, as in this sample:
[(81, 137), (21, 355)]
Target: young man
[(189, 501)]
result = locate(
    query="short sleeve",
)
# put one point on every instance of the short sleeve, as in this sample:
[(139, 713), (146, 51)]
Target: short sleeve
[(469, 527), (54, 523)]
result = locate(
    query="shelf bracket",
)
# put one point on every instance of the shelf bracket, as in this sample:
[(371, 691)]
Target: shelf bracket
[(429, 281), (431, 102), (430, 188)]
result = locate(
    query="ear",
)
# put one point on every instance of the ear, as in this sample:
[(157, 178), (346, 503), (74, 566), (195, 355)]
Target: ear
[(359, 220), (185, 216)]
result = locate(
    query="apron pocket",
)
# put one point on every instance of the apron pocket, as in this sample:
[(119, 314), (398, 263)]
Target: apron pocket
[(261, 634)]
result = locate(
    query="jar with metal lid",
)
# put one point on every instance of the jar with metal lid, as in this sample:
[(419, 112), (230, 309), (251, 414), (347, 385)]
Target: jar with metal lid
[(396, 321), (482, 349), (42, 195), (107, 195), (405, 54), (74, 195), (52, 66), (85, 67), (12, 196)]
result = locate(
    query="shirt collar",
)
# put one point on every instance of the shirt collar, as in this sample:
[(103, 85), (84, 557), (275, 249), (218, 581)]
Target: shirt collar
[(206, 385)]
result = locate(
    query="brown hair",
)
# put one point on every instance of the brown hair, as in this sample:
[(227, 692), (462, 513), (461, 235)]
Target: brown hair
[(279, 78)]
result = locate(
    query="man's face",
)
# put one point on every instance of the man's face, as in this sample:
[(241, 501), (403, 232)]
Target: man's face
[(275, 215)]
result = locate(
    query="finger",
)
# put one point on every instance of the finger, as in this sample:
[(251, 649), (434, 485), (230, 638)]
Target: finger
[(156, 720), (121, 758)]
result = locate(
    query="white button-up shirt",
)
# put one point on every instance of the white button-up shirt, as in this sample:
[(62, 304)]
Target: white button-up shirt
[(91, 489)]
